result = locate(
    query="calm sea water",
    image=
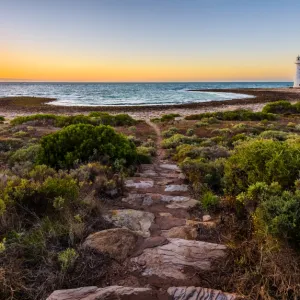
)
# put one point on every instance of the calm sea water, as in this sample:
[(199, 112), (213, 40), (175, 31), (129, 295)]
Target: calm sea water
[(92, 94)]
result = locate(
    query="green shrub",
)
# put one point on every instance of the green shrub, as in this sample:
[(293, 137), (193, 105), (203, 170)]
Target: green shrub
[(274, 134), (24, 154), (279, 107), (94, 118), (262, 160), (178, 139), (204, 175), (190, 132), (37, 117), (170, 132), (83, 142), (2, 119), (209, 201), (67, 258), (169, 117), (279, 215), (10, 144), (236, 115), (201, 124), (144, 154), (36, 198)]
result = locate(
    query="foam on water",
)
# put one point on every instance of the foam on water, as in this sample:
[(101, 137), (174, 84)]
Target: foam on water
[(120, 94)]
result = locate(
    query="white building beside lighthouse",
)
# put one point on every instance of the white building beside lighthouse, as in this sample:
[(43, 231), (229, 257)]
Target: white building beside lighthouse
[(297, 78)]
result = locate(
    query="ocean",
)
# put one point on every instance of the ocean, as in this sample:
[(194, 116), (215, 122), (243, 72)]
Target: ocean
[(118, 94)]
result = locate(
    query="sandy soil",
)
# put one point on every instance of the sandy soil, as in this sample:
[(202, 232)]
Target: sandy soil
[(12, 107)]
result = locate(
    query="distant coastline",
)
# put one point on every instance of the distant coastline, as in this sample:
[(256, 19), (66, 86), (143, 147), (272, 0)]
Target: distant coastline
[(14, 106)]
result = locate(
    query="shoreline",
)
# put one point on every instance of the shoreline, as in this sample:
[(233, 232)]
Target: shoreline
[(18, 106)]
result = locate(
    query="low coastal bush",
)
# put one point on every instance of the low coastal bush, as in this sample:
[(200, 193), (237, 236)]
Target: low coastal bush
[(262, 160), (236, 115), (178, 139), (84, 142), (204, 175), (166, 118), (279, 107), (94, 118), (168, 133)]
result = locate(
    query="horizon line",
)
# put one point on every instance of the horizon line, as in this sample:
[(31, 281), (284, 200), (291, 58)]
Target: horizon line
[(217, 81)]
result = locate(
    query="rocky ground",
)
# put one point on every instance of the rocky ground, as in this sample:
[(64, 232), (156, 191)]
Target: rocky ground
[(154, 241)]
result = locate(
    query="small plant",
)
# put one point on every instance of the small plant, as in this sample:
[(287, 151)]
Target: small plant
[(67, 258), (190, 132), (170, 132), (209, 201), (201, 124)]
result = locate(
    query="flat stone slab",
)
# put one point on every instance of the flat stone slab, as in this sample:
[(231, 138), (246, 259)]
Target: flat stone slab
[(176, 188), (182, 232), (139, 184), (117, 242), (169, 261), (170, 167), (149, 199), (135, 220), (198, 293), (107, 293)]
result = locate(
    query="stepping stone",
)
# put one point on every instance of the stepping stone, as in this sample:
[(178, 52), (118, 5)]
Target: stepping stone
[(168, 261), (170, 167), (139, 184), (198, 293), (107, 293), (166, 221), (176, 188), (118, 242), (182, 232), (135, 220), (149, 199)]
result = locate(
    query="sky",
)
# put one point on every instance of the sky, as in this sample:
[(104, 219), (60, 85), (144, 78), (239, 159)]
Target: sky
[(149, 40)]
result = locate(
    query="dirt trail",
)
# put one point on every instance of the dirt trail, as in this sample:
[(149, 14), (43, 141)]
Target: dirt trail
[(166, 258)]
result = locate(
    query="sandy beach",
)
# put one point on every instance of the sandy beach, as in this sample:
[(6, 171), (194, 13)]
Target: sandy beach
[(19, 106)]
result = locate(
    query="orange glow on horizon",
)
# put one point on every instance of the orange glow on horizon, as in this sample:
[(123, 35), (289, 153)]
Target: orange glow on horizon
[(37, 67)]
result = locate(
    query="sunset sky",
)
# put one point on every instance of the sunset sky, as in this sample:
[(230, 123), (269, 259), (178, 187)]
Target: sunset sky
[(149, 40)]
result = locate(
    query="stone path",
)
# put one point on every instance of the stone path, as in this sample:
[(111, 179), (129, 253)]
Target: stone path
[(155, 237)]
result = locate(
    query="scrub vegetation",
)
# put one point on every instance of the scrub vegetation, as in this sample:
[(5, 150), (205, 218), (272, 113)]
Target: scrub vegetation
[(56, 179), (243, 167)]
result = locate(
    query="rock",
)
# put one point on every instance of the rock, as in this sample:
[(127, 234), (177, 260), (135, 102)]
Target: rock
[(206, 218), (176, 188), (198, 293), (139, 184), (107, 293), (185, 204), (170, 167), (181, 232), (118, 242), (135, 220), (168, 261), (166, 221), (181, 176)]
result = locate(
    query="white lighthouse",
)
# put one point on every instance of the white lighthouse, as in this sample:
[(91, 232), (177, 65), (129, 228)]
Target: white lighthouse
[(297, 78)]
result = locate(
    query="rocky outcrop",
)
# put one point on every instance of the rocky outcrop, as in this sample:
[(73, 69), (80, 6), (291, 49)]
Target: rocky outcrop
[(135, 220), (169, 261), (198, 293), (118, 243), (107, 293)]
